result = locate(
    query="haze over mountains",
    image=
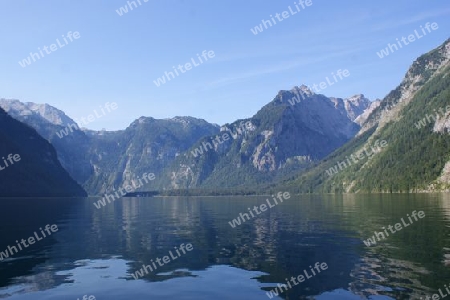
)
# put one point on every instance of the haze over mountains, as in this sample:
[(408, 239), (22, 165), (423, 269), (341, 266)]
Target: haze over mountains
[(100, 161), (290, 137)]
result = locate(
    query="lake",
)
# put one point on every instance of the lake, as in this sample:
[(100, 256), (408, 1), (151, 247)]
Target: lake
[(99, 252)]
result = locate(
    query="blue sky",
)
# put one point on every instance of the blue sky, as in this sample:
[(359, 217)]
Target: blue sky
[(117, 58)]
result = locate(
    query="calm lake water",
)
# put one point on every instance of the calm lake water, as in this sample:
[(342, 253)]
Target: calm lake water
[(96, 251)]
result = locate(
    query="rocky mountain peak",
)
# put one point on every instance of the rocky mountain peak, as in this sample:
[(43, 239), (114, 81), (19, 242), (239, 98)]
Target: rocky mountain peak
[(357, 99), (18, 110), (352, 107), (423, 69), (356, 105), (303, 89)]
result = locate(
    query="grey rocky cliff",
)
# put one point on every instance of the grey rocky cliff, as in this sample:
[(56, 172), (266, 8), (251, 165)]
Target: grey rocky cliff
[(294, 130)]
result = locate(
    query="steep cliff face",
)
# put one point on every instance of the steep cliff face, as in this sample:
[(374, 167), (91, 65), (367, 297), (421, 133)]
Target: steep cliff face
[(39, 112), (35, 170), (420, 72), (287, 135), (362, 118), (102, 161), (147, 146), (49, 121), (354, 106), (414, 120), (294, 130)]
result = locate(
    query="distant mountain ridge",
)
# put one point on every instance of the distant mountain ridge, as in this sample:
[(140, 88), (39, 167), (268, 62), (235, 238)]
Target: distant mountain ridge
[(287, 136), (93, 157), (147, 145), (298, 135)]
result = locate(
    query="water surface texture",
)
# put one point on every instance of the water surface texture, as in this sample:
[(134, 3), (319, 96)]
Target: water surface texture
[(96, 251)]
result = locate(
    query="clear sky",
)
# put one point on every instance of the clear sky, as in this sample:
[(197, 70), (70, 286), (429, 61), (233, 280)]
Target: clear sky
[(118, 58)]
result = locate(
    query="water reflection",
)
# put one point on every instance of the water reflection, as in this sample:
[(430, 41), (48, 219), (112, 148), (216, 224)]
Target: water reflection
[(109, 279), (278, 244)]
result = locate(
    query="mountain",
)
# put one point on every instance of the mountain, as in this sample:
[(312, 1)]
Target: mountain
[(294, 130), (286, 136), (148, 145), (30, 110), (354, 106), (362, 118), (48, 121), (29, 165), (101, 161), (414, 122)]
